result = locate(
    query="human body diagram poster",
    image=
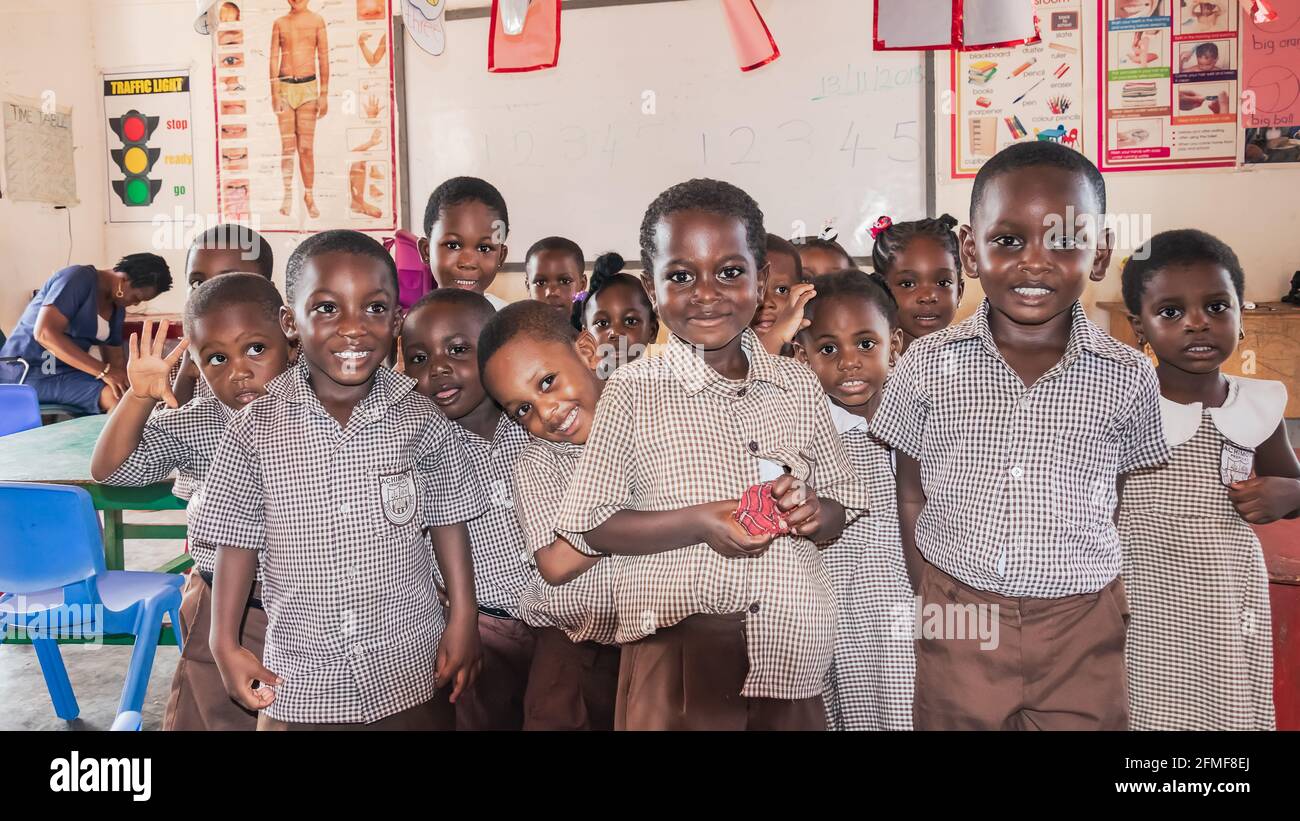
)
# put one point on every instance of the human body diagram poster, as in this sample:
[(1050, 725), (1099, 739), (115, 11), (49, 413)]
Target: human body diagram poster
[(1168, 82), (305, 120), (1030, 92)]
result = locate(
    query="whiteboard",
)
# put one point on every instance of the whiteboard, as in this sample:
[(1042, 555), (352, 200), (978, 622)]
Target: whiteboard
[(648, 95)]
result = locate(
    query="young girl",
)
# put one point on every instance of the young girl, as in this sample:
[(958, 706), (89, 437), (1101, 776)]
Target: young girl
[(617, 312), (851, 342), (1199, 651), (818, 255), (920, 263), (780, 313)]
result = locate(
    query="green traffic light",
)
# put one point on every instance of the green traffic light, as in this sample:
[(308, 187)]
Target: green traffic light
[(137, 192)]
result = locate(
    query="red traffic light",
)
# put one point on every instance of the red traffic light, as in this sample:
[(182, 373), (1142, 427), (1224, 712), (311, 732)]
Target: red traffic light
[(133, 128)]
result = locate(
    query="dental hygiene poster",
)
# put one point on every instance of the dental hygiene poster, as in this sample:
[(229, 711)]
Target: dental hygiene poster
[(1168, 76), (1030, 92), (305, 120)]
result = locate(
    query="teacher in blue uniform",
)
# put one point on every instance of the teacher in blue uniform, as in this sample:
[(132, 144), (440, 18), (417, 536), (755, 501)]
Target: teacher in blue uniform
[(78, 307)]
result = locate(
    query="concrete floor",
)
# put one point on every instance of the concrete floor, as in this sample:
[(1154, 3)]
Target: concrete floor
[(96, 671)]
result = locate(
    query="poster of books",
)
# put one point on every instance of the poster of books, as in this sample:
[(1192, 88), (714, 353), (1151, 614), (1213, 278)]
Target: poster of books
[(305, 120), (1032, 92), (1168, 79)]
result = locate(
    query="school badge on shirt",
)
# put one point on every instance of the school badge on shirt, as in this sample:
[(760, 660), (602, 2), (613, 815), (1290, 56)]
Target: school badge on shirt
[(397, 497), (1235, 463)]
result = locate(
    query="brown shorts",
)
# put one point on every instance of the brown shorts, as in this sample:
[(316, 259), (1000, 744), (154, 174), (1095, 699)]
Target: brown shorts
[(572, 685), (496, 699), (1057, 664), (431, 715), (198, 700), (689, 677)]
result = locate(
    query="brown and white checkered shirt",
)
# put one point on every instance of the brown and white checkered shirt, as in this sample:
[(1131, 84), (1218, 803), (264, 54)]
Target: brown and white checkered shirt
[(1020, 481), (670, 432), (340, 513), (497, 542), (584, 607), (183, 440)]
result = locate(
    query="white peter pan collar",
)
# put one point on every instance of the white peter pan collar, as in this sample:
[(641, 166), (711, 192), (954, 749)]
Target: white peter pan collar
[(843, 420), (1249, 416)]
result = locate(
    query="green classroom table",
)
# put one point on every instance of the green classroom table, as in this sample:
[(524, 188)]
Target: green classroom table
[(60, 454)]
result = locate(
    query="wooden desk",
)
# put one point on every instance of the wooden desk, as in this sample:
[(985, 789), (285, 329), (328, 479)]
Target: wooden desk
[(1271, 349), (135, 322), (60, 454)]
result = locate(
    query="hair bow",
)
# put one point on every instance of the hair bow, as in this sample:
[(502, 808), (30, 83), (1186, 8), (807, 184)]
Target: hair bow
[(880, 226)]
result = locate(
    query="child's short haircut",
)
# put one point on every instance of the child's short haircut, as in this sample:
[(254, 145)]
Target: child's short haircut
[(231, 236), (146, 270), (607, 270), (714, 197), (1207, 50), (828, 245), (338, 239), (562, 244), (1181, 247), (223, 292), (464, 189), (852, 282), (894, 240), (529, 318), (1034, 154), (468, 301), (781, 245)]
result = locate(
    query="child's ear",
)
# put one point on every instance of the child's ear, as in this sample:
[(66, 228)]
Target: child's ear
[(966, 241), (1101, 261), (588, 349), (501, 257), (423, 245), (1135, 322), (648, 283), (896, 344), (799, 353), (961, 287), (288, 324)]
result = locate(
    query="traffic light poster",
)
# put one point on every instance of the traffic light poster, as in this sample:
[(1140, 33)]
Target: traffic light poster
[(304, 106), (150, 146)]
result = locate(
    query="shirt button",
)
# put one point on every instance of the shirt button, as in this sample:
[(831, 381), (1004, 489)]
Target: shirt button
[(345, 508), (742, 391), (753, 608), (753, 447), (358, 650), (1017, 472)]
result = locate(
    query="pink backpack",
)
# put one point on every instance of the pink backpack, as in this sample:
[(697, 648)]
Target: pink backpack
[(414, 279)]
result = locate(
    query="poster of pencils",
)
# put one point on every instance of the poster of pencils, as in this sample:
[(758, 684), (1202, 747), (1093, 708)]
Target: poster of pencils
[(305, 120), (1032, 92), (1168, 80)]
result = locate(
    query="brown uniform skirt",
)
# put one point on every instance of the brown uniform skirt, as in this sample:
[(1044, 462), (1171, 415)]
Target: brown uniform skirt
[(198, 700)]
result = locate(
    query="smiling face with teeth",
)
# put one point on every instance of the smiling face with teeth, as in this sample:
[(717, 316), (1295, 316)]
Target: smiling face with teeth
[(466, 246), (344, 312), (548, 387), (1191, 316), (1032, 274)]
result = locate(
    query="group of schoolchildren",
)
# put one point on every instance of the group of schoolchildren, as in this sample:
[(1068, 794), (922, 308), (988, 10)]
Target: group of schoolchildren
[(539, 519)]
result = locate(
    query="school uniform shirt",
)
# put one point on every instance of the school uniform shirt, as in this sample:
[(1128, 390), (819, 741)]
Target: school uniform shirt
[(184, 440), (583, 607), (1020, 481), (339, 514), (495, 538), (670, 432)]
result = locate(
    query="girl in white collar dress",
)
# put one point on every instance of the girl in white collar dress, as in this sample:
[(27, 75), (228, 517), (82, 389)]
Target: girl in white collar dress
[(1199, 650)]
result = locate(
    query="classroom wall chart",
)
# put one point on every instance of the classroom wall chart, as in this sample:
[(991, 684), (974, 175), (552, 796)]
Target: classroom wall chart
[(297, 159), (150, 146), (38, 150), (1270, 68), (1168, 81), (1030, 92)]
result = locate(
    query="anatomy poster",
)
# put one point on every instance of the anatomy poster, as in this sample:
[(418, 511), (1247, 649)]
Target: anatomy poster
[(1031, 92), (305, 121), (1168, 80)]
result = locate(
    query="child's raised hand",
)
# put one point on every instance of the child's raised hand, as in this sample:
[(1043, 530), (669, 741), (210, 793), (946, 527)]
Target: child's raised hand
[(790, 319), (799, 504), (459, 656), (239, 669), (1261, 500), (724, 534), (147, 369)]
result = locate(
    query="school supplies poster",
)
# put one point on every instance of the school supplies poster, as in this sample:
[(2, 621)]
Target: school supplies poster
[(1030, 92), (1270, 68), (150, 146), (303, 160), (38, 151), (1168, 80)]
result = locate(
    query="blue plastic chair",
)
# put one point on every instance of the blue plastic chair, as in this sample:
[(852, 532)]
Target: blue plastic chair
[(52, 564), (19, 409), (53, 410)]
